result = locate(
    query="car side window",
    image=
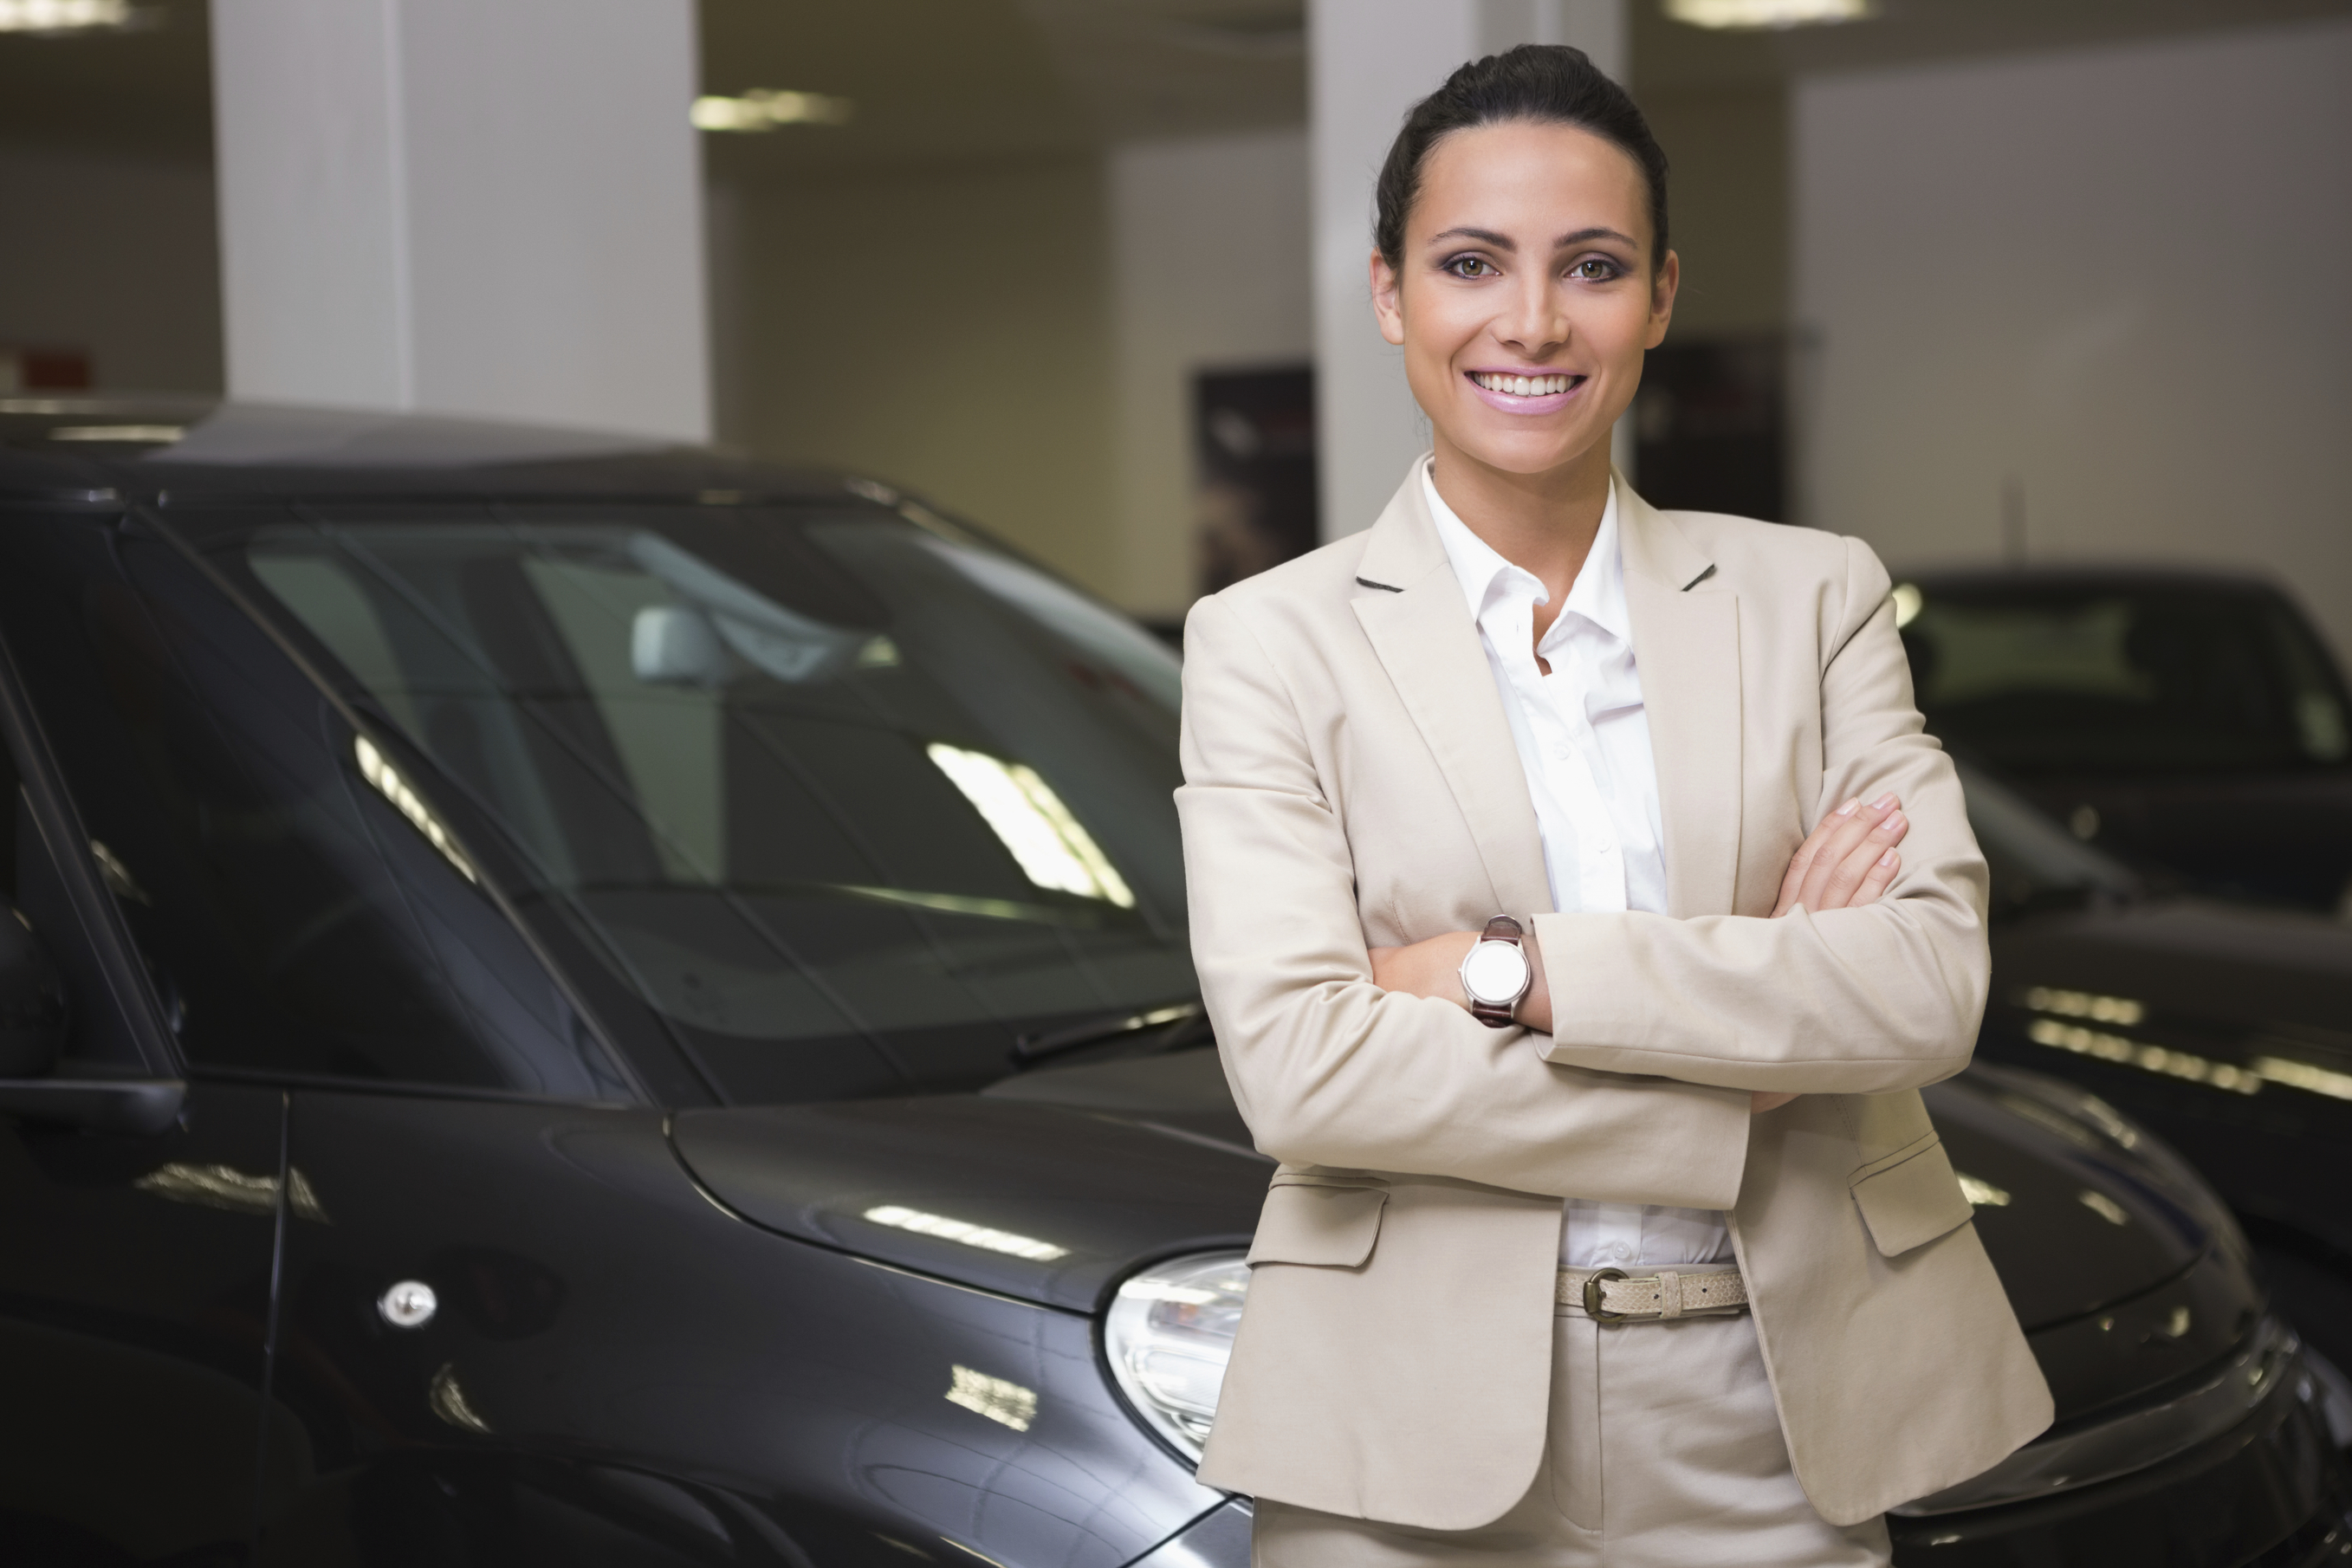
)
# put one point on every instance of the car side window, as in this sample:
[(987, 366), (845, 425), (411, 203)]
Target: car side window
[(303, 910)]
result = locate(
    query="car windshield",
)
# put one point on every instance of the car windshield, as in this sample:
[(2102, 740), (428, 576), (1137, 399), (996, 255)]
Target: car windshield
[(2038, 678), (851, 803)]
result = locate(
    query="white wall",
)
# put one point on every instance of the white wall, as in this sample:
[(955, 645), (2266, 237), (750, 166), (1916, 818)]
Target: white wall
[(116, 256), (2117, 278), (1368, 62), (1209, 261), (464, 208)]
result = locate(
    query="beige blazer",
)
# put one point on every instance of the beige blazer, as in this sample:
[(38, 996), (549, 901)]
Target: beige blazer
[(1350, 781)]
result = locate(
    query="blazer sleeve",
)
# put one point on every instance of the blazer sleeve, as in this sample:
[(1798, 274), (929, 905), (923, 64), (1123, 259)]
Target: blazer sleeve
[(1856, 1001), (1330, 1069)]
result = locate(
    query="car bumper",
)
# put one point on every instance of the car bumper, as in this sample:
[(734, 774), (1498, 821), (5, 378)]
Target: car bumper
[(2272, 1492)]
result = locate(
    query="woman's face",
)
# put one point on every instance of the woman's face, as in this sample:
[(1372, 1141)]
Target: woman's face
[(1527, 254)]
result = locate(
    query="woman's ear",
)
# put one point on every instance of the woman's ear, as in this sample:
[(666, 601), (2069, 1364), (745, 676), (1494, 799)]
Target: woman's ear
[(1388, 300), (1662, 300)]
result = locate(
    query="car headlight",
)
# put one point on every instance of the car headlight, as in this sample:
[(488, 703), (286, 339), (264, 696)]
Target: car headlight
[(1168, 1336)]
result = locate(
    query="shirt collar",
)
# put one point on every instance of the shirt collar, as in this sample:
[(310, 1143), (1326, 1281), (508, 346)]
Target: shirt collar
[(1598, 594)]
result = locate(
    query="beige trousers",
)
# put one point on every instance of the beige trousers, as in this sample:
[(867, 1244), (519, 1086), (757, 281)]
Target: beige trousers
[(1664, 1451)]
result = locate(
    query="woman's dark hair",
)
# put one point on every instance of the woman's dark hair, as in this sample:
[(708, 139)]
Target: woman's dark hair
[(1549, 84)]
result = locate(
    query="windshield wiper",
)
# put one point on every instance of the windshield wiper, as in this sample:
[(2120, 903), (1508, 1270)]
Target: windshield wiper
[(1178, 1020)]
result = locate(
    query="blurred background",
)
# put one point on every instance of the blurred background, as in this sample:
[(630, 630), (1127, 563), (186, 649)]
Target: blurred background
[(1983, 282)]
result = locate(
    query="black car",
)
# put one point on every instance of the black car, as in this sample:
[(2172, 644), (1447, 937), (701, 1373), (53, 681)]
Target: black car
[(2184, 720), (579, 1003), (2226, 1029)]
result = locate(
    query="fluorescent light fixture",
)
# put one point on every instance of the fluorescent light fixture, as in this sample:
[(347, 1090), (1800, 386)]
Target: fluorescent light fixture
[(62, 15), (899, 1218), (1054, 850), (2148, 1058), (1000, 1399), (2306, 1076), (377, 769), (1751, 14), (163, 434), (2085, 1004), (762, 108)]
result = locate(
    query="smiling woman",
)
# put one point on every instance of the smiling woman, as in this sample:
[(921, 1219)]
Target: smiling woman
[(1534, 1044)]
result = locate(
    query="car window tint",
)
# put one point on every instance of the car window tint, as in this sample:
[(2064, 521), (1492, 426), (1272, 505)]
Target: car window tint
[(302, 909), (2048, 678), (852, 806), (32, 884)]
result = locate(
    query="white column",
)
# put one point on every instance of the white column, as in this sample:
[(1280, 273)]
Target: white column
[(464, 207), (1368, 62)]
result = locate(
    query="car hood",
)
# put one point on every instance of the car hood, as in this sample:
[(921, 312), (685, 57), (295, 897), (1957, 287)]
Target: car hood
[(1054, 1186), (1051, 1187)]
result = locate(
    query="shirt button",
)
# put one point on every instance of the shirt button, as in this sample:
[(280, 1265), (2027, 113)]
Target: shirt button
[(1620, 1251)]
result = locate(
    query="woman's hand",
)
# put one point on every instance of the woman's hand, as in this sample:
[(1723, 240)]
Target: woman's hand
[(1848, 862)]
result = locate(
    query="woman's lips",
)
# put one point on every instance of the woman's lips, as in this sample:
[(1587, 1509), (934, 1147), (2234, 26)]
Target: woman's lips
[(1496, 389)]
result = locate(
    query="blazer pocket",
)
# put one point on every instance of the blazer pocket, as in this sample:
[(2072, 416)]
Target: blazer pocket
[(1318, 1223), (1911, 1196)]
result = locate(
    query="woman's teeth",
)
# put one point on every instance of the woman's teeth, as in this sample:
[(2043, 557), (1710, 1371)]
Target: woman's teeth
[(1524, 385)]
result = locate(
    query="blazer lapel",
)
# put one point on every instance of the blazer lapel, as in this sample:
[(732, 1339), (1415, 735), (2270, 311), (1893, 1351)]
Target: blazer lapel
[(1411, 608), (1686, 647)]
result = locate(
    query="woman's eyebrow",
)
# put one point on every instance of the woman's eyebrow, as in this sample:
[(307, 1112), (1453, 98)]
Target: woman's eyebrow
[(1583, 235), (1484, 235), (1505, 243)]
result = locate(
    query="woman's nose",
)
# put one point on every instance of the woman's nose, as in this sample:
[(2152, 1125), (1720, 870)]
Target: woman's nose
[(1534, 323)]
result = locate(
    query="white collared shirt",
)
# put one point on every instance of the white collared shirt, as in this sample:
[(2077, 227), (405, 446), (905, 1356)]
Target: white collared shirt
[(1583, 737)]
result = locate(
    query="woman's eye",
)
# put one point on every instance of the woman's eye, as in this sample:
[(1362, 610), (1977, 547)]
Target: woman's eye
[(1471, 267), (1594, 269)]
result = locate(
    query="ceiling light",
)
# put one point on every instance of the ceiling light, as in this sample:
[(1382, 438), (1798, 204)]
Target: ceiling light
[(62, 15), (1769, 13), (762, 108), (149, 434)]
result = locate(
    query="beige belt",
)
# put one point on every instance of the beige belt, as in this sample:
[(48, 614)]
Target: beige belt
[(1613, 1296)]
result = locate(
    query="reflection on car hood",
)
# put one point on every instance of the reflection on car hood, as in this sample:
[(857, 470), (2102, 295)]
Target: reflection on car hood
[(1050, 1188), (2219, 963), (1053, 1186)]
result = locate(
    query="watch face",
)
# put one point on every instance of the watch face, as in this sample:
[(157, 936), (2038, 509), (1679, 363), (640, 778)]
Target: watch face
[(1494, 972)]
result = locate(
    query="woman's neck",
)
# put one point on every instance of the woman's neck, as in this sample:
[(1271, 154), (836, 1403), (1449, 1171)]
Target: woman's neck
[(1543, 523)]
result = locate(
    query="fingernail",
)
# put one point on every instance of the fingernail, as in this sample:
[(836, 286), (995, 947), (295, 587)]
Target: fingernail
[(1895, 822), (1883, 802), (1848, 809), (1888, 858)]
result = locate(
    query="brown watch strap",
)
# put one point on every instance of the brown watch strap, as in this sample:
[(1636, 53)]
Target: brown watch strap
[(1502, 928)]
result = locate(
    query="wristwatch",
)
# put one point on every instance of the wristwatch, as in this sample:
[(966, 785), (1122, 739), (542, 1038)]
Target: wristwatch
[(1495, 975)]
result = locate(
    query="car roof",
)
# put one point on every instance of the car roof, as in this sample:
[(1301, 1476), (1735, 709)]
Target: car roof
[(180, 451)]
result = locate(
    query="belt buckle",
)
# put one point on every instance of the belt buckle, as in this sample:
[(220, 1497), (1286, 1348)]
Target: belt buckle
[(1593, 1307)]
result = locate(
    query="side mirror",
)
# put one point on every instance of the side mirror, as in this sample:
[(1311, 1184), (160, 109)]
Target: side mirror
[(32, 1022), (33, 1013)]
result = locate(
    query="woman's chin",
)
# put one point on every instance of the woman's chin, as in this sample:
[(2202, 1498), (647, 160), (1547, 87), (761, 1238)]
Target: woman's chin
[(1527, 453)]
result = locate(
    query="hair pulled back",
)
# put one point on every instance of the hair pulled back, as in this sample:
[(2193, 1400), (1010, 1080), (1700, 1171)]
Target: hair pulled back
[(1549, 84)]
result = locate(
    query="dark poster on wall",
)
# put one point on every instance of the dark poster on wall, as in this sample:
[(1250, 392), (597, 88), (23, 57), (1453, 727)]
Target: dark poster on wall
[(1709, 428), (1254, 444)]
